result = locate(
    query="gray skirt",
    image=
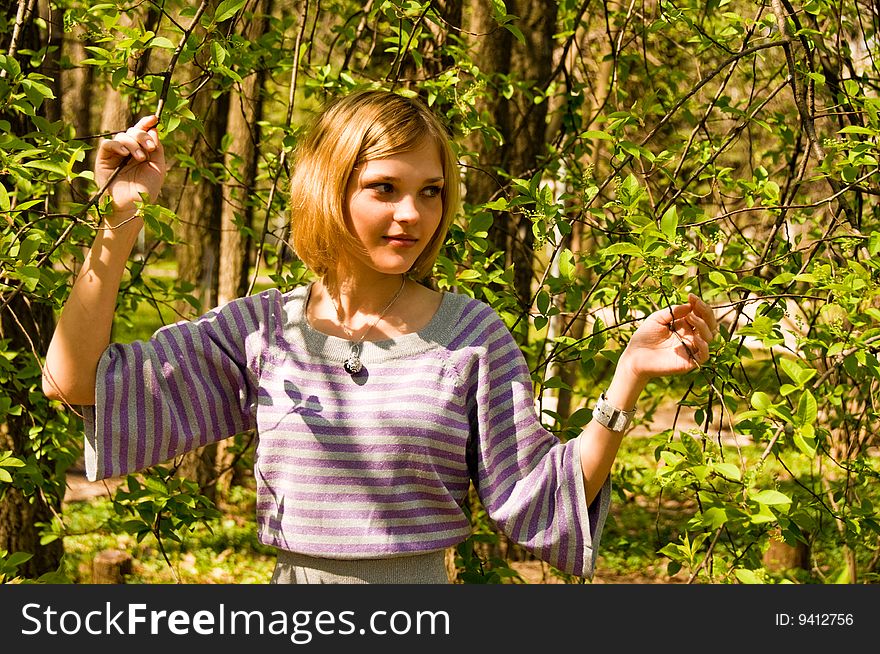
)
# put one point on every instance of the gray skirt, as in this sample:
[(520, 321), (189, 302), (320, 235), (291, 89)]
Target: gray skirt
[(293, 568)]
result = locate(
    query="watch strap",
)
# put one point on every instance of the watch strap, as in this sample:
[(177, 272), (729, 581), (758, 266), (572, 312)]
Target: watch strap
[(610, 416)]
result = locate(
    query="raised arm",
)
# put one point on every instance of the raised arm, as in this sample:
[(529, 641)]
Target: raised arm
[(668, 342), (83, 330)]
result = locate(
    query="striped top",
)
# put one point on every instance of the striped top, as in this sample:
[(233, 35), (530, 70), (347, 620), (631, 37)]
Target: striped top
[(373, 465)]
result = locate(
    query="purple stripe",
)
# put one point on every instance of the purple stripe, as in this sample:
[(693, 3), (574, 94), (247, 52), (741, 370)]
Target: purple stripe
[(377, 530), (401, 498), (357, 514), (380, 380), (319, 421), (274, 306), (349, 481), (196, 355), (473, 313), (141, 408), (229, 336), (235, 380), (361, 464), (161, 432), (173, 400), (500, 361), (280, 448), (125, 417), (106, 407), (187, 363), (517, 466), (560, 529), (287, 441), (545, 512), (394, 443), (225, 389)]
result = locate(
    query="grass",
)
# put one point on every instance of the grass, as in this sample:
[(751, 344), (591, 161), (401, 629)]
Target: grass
[(225, 551)]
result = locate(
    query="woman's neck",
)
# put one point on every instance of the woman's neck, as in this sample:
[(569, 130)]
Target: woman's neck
[(362, 295)]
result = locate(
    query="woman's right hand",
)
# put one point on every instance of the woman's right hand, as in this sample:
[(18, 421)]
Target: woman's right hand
[(143, 173)]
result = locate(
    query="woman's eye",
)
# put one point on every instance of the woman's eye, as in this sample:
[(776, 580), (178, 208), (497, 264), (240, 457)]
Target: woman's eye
[(433, 191), (382, 187)]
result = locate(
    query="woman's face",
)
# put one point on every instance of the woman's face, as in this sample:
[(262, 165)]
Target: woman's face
[(394, 207)]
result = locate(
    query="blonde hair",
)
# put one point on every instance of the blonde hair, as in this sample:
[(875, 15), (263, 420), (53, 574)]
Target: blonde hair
[(360, 126)]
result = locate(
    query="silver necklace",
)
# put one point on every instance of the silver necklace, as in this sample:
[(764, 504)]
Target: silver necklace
[(353, 363)]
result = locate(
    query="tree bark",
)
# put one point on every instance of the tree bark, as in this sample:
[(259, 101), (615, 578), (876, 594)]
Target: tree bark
[(22, 511), (521, 122), (237, 215), (27, 324), (199, 210)]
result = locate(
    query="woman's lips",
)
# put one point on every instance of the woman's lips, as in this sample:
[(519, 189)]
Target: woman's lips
[(401, 241)]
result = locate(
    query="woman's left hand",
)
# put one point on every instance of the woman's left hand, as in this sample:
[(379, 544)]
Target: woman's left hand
[(671, 341)]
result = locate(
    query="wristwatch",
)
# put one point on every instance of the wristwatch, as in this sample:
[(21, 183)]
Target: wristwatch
[(610, 416)]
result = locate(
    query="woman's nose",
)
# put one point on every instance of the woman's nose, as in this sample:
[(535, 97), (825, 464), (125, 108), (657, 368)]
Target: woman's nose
[(406, 209)]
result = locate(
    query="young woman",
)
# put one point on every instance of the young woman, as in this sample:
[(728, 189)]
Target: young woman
[(376, 400)]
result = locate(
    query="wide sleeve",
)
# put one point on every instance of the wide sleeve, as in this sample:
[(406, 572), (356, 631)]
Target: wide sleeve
[(192, 383), (530, 482)]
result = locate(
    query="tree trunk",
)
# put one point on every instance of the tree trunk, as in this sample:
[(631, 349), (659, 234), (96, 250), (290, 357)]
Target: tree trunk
[(522, 126), (199, 210), (245, 113), (237, 215), (580, 240), (22, 511), (27, 324), (521, 123)]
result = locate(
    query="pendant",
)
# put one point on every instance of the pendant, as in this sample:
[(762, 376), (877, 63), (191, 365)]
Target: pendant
[(353, 363)]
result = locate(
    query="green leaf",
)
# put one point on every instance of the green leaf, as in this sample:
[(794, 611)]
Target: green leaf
[(4, 199), (669, 223), (51, 166), (717, 278), (714, 517), (692, 448), (18, 558), (761, 401), (728, 470), (804, 439), (856, 129), (771, 498), (807, 409), (161, 42), (623, 249), (792, 369), (595, 134), (513, 29), (566, 264), (227, 9), (747, 576), (29, 275)]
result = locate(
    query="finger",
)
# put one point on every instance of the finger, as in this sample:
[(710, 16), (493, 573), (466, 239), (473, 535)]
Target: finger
[(699, 325), (147, 122), (696, 347), (672, 313), (701, 350), (144, 139), (154, 143), (130, 142), (113, 148), (704, 310)]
